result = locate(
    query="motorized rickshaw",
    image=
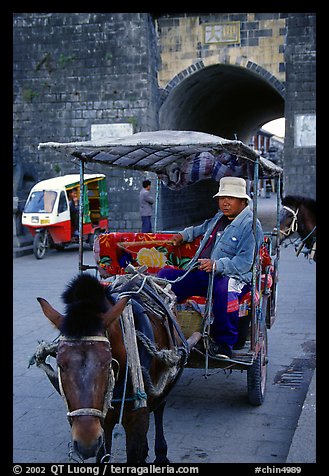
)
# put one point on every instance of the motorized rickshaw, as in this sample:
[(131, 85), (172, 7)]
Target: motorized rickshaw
[(47, 213), (180, 158)]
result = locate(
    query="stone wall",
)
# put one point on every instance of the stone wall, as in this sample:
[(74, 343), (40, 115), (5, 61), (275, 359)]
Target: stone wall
[(300, 110), (73, 70)]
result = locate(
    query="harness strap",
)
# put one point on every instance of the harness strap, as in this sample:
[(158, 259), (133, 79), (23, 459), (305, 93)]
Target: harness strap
[(293, 225), (86, 338), (86, 412)]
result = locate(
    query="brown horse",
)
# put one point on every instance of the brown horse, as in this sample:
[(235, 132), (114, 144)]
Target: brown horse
[(92, 369), (298, 214)]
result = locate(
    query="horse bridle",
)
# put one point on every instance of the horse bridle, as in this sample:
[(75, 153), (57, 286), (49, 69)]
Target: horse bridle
[(294, 224), (95, 412)]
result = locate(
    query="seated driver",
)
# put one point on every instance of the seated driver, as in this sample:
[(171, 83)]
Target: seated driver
[(228, 247)]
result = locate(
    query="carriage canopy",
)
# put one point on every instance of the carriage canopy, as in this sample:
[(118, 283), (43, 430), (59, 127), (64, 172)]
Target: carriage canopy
[(179, 158)]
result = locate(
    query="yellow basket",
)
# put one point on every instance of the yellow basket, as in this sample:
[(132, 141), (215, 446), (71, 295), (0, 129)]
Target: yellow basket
[(190, 321)]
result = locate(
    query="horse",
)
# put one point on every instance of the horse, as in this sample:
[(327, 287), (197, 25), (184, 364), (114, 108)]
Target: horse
[(92, 361), (298, 214)]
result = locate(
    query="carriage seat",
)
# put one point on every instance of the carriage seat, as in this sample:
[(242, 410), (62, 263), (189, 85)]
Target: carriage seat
[(114, 251)]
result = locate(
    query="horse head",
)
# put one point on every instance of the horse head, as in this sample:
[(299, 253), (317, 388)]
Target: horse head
[(288, 221), (298, 214), (84, 359)]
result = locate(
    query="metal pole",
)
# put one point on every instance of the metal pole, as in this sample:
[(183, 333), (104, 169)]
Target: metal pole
[(278, 204), (156, 204), (82, 167), (255, 263)]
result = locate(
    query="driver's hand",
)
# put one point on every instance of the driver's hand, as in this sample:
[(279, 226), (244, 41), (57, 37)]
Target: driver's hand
[(205, 264), (177, 239)]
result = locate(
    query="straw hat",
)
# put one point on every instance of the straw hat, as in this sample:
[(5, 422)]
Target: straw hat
[(232, 187)]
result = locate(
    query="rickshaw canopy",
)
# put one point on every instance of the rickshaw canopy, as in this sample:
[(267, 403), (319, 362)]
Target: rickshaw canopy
[(179, 158), (46, 191), (66, 181)]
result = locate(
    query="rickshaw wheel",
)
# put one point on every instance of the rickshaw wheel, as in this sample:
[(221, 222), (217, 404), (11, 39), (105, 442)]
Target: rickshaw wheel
[(40, 244), (59, 247), (257, 373)]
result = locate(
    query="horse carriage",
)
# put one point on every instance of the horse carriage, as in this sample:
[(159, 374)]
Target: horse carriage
[(123, 332)]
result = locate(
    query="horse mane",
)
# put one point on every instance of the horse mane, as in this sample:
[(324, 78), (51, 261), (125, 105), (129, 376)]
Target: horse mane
[(85, 299), (291, 200)]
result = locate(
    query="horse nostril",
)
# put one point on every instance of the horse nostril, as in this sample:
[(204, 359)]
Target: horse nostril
[(88, 451)]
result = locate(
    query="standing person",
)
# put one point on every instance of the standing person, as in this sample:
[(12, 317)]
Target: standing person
[(146, 201), (74, 212), (228, 248)]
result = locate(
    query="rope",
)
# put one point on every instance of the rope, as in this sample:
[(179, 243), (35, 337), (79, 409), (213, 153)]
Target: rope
[(157, 390), (43, 350), (169, 357)]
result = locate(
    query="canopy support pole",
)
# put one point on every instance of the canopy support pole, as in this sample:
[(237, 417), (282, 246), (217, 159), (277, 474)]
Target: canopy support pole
[(255, 263), (157, 199), (82, 170)]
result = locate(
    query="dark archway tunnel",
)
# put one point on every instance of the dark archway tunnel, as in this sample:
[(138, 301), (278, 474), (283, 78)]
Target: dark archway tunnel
[(223, 100)]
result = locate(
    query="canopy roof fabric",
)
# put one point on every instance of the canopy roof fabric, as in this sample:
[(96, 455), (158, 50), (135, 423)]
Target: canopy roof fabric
[(179, 158)]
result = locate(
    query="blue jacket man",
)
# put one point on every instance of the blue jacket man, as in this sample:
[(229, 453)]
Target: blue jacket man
[(228, 248)]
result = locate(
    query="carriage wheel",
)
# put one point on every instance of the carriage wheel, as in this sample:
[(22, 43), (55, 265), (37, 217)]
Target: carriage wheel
[(40, 244), (257, 373)]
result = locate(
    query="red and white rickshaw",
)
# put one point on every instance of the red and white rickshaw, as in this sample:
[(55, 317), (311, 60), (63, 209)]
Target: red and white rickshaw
[(47, 211)]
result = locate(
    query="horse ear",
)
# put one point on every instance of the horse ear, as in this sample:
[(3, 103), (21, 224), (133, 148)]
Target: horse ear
[(114, 312), (54, 316)]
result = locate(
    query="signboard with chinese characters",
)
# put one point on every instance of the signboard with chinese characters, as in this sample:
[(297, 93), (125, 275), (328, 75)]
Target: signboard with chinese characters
[(226, 33), (305, 130)]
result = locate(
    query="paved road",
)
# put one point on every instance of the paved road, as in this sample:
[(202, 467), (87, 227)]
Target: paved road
[(206, 420)]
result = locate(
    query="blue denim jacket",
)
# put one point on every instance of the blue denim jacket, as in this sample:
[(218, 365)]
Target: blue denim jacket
[(234, 248)]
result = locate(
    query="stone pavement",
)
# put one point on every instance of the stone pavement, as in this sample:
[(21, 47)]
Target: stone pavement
[(206, 420), (303, 445)]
